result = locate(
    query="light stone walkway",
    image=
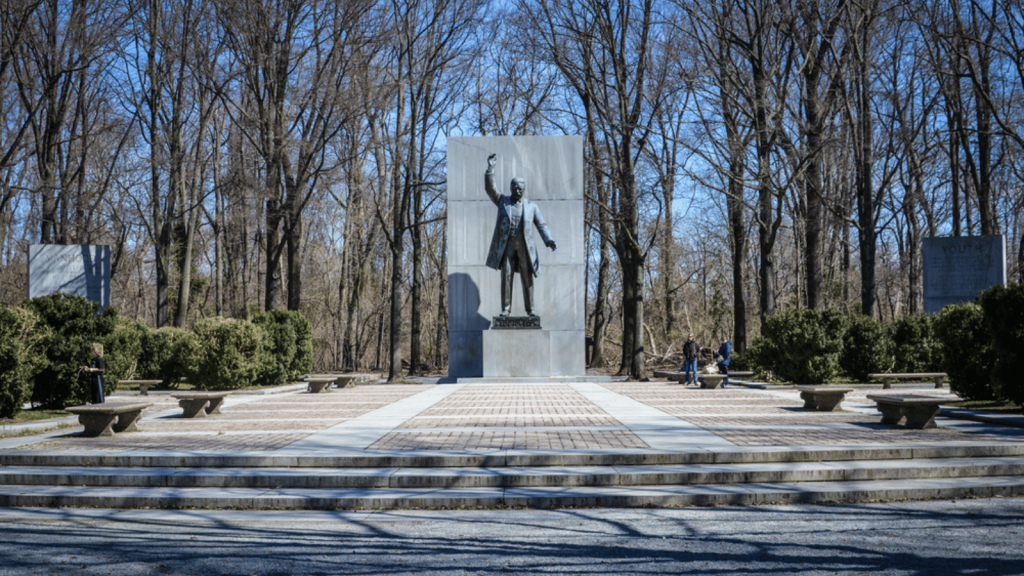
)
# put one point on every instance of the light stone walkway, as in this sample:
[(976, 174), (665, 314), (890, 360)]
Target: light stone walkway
[(588, 417)]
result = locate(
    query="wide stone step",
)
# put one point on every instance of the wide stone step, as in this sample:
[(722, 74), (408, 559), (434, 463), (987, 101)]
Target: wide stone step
[(511, 458), (537, 497), (512, 477)]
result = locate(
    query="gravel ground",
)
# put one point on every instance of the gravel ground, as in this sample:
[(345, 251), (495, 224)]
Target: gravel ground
[(909, 538)]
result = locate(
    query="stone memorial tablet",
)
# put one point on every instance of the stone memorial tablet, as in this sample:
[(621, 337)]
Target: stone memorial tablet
[(957, 269), (521, 315), (77, 270)]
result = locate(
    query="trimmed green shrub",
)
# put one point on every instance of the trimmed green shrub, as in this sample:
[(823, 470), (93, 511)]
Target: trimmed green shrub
[(20, 357), (224, 354), (760, 357), (290, 342), (867, 347), (966, 354), (160, 358), (1004, 315), (916, 348), (801, 346), (73, 324), (121, 350)]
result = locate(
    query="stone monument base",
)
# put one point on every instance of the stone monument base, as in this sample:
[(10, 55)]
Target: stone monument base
[(517, 353), (532, 354)]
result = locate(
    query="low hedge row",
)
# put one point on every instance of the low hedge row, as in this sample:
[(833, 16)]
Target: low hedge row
[(979, 345), (44, 341)]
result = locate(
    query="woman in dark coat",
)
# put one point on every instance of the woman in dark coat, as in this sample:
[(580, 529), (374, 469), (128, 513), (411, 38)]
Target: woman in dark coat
[(95, 369)]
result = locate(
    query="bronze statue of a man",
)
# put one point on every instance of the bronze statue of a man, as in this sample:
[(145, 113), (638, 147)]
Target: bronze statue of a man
[(512, 249)]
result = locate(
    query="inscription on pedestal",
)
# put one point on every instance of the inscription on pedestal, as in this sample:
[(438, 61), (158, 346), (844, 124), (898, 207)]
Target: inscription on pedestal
[(515, 323)]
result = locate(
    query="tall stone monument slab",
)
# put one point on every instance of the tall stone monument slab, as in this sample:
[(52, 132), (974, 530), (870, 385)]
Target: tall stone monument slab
[(77, 270), (552, 168), (957, 269)]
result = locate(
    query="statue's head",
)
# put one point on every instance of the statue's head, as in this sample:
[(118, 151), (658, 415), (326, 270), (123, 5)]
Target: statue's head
[(518, 188)]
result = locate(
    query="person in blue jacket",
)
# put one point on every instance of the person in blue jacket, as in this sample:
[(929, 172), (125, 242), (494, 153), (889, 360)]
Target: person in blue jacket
[(724, 357)]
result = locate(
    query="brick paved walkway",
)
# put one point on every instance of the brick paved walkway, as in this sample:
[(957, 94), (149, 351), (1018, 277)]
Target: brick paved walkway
[(510, 417)]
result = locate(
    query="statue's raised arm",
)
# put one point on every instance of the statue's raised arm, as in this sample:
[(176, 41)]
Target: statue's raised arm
[(492, 192)]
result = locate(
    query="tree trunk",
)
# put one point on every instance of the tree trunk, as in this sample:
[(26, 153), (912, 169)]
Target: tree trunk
[(734, 206)]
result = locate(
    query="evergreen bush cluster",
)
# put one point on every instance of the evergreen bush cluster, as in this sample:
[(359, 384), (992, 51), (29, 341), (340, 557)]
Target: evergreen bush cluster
[(914, 345), (160, 358), (800, 345), (980, 346), (45, 341), (1003, 309), (290, 343), (224, 354), (966, 350), (72, 325), (20, 333), (867, 347)]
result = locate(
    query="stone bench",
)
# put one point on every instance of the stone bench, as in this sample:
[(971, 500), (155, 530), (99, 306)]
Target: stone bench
[(676, 376), (142, 384), (345, 380), (741, 374), (920, 411), (199, 404), (105, 419), (317, 385), (340, 380), (886, 378), (711, 381), (822, 398)]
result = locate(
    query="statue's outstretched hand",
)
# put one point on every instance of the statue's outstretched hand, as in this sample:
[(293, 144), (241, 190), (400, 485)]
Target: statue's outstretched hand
[(492, 160), (551, 244)]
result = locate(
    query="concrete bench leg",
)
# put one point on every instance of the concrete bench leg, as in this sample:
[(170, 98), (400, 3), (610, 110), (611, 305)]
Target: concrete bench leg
[(891, 414), (214, 406), (97, 424), (127, 421), (193, 408), (920, 417), (886, 383), (317, 387), (809, 400), (939, 380)]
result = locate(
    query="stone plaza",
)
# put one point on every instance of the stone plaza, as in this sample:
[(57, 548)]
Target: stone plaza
[(473, 445)]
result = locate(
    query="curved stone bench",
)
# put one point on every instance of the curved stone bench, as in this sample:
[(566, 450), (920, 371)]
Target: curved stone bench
[(344, 381), (920, 411), (886, 378), (199, 404), (105, 419), (142, 384), (317, 385), (822, 398), (340, 380)]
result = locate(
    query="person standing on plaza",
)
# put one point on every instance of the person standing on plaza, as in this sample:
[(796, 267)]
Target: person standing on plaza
[(691, 352), (95, 369), (724, 358)]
